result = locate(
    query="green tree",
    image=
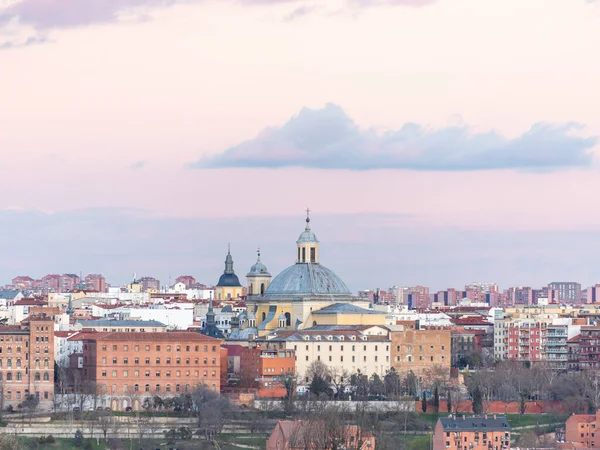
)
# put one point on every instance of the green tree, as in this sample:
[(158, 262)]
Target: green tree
[(78, 441), (436, 400), (424, 402)]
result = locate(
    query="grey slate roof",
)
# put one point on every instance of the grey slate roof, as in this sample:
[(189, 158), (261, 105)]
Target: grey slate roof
[(475, 423), (122, 323), (345, 308), (8, 294), (306, 280)]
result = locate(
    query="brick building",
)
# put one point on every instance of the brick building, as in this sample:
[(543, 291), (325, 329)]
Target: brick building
[(581, 430), (420, 350), (95, 282), (589, 347), (129, 367), (27, 361), (472, 433), (267, 367)]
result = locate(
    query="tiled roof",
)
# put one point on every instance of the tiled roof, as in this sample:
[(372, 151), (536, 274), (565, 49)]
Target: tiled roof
[(30, 302), (475, 423), (170, 336), (122, 323), (574, 339)]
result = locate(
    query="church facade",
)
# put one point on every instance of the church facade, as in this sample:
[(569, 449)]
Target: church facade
[(290, 299)]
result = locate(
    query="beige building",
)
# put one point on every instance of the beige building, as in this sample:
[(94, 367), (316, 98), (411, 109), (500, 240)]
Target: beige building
[(420, 351), (352, 349), (228, 287)]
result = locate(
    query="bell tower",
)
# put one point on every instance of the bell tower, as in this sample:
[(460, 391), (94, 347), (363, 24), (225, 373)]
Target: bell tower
[(258, 278), (307, 245)]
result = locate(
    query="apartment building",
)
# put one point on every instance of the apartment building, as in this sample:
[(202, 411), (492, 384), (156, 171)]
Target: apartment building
[(581, 430), (472, 433), (420, 350), (554, 346), (589, 347), (27, 361), (268, 367), (350, 349), (129, 367)]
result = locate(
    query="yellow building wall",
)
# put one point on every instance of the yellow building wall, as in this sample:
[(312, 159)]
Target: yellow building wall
[(346, 319), (225, 292)]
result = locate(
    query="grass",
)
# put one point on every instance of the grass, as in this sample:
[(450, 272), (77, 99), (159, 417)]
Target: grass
[(515, 420), (63, 444), (226, 440)]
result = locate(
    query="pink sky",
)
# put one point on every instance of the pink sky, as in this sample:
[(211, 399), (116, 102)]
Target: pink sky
[(108, 113)]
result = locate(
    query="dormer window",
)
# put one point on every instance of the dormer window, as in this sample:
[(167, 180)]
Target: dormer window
[(330, 338)]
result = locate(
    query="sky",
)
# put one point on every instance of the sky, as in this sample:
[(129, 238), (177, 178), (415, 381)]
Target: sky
[(436, 142)]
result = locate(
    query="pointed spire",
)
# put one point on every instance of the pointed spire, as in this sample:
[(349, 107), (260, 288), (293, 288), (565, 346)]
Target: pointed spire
[(258, 253), (228, 261), (307, 219), (70, 306)]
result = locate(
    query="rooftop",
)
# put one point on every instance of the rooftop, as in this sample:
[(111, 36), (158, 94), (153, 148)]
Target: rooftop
[(345, 308), (462, 423), (170, 336), (122, 323)]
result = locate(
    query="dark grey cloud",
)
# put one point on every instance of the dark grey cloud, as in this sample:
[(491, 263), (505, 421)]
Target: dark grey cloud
[(118, 242), (328, 139)]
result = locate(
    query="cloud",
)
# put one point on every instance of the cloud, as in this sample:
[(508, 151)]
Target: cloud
[(52, 14), (138, 165), (328, 139)]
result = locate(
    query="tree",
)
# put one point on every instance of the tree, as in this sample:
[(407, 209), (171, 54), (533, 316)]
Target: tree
[(289, 381), (436, 399), (391, 381), (477, 400), (340, 379), (29, 405), (424, 402), (209, 408), (411, 384), (78, 441), (10, 442), (319, 377)]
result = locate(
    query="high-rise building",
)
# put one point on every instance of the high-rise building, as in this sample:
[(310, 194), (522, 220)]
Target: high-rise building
[(95, 282), (149, 284), (568, 291)]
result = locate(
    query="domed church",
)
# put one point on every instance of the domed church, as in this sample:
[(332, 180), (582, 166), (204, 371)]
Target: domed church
[(289, 299)]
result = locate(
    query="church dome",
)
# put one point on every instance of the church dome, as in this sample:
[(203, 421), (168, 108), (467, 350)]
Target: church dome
[(228, 280), (304, 280), (259, 269)]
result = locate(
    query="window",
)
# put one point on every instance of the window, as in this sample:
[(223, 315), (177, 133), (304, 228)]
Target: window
[(168, 348), (103, 360), (37, 377), (137, 348), (104, 348), (178, 348), (197, 348), (136, 361), (169, 361), (136, 373), (115, 360), (9, 376), (114, 374), (158, 374), (125, 360), (126, 348), (178, 361), (136, 388), (147, 388), (147, 348), (157, 360), (157, 388), (187, 361), (104, 373), (187, 348), (114, 348), (125, 373), (147, 373), (168, 388), (158, 348), (147, 360)]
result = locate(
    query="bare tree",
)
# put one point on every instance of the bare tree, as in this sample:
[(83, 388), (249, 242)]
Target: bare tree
[(340, 379)]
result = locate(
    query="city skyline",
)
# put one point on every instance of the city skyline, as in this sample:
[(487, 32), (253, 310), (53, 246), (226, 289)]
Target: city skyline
[(135, 126)]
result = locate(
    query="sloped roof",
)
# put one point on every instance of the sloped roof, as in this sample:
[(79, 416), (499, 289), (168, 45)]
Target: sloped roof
[(169, 336), (475, 423), (122, 323), (9, 294), (345, 308)]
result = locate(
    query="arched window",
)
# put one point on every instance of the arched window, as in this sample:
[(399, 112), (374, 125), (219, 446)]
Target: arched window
[(0, 376), (264, 316), (409, 358), (147, 388), (37, 363), (125, 389), (136, 388), (157, 388), (37, 377), (9, 376), (187, 388), (114, 388), (262, 288), (250, 289), (46, 377), (18, 362), (288, 319), (103, 389), (46, 363), (18, 376), (168, 388)]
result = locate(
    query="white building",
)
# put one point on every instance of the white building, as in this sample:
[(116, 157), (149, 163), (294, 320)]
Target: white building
[(65, 344), (352, 349)]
